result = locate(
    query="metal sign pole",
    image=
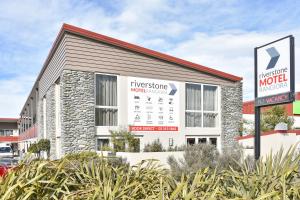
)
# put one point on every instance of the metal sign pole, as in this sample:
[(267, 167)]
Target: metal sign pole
[(257, 113), (257, 134), (292, 63)]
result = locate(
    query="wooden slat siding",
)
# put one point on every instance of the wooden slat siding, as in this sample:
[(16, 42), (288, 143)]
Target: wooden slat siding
[(78, 55), (86, 44), (54, 68), (123, 69), (79, 59), (88, 55), (8, 125)]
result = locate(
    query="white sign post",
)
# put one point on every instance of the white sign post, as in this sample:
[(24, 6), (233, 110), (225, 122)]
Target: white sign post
[(153, 105)]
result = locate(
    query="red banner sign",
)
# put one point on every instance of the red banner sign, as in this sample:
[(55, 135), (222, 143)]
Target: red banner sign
[(153, 128)]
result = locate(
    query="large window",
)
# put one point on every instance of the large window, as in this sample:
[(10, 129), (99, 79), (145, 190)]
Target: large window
[(210, 106), (193, 105), (102, 144), (201, 105), (106, 100)]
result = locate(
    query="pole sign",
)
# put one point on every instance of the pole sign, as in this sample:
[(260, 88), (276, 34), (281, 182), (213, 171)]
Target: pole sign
[(275, 71), (274, 78)]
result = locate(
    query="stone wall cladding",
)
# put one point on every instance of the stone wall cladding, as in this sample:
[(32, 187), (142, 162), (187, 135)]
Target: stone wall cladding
[(77, 111), (40, 119), (50, 120), (231, 106)]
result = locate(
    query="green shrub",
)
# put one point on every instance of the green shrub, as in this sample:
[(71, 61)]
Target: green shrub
[(230, 158), (275, 177), (89, 156), (155, 146), (275, 115), (202, 156), (84, 155), (176, 148), (44, 145), (41, 145), (106, 148), (33, 148), (124, 141), (195, 157)]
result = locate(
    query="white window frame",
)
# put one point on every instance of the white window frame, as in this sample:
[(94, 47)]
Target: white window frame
[(208, 137), (202, 111), (107, 107), (218, 106)]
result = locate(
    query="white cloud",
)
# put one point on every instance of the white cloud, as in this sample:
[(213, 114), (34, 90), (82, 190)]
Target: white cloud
[(13, 94), (193, 30), (231, 52)]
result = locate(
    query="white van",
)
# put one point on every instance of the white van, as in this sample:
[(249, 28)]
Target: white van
[(6, 150)]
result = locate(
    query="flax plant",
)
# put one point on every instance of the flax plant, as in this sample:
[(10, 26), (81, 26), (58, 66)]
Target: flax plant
[(275, 177)]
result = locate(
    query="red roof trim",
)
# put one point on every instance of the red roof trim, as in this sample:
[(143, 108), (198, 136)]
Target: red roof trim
[(139, 49), (9, 138), (9, 119), (269, 133)]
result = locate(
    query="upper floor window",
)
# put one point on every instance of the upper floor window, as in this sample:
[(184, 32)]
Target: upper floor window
[(106, 109), (6, 132), (201, 105)]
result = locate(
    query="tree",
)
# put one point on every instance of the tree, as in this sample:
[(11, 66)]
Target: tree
[(155, 146), (246, 127), (275, 115), (44, 145), (33, 148), (124, 140)]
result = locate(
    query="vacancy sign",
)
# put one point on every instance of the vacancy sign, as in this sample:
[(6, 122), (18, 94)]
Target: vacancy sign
[(153, 105), (275, 72)]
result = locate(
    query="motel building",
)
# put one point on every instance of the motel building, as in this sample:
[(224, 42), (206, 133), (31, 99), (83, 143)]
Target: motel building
[(272, 140), (292, 110), (9, 133), (91, 84)]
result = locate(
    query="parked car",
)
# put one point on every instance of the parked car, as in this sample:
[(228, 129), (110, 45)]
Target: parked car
[(6, 151), (6, 164)]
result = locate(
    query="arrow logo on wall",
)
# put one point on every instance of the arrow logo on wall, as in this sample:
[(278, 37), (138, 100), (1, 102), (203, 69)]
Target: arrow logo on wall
[(273, 53), (173, 89)]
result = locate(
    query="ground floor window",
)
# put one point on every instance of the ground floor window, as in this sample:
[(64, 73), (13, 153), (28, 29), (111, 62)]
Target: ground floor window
[(106, 108), (202, 140), (118, 144), (102, 144), (213, 141), (191, 141)]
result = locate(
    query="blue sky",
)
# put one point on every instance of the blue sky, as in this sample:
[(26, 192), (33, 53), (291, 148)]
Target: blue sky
[(220, 34)]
